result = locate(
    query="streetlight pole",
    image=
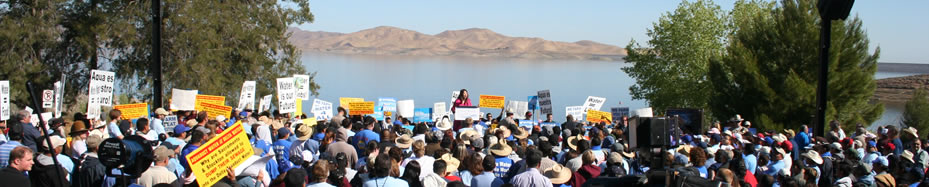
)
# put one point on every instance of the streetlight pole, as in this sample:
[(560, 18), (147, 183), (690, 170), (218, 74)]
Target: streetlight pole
[(155, 66), (828, 10)]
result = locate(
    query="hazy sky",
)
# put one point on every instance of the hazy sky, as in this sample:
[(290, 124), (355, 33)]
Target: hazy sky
[(899, 27)]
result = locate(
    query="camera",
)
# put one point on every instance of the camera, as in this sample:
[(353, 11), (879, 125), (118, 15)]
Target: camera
[(133, 154)]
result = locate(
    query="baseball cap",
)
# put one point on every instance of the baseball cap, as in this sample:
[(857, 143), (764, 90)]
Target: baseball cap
[(282, 132), (181, 129), (161, 111), (162, 153), (56, 141), (93, 141)]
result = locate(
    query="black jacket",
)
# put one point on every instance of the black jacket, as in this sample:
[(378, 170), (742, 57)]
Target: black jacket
[(42, 175), (13, 177), (90, 173)]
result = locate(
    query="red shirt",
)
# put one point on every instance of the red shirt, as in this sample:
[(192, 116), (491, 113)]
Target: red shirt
[(459, 102), (750, 178), (452, 178)]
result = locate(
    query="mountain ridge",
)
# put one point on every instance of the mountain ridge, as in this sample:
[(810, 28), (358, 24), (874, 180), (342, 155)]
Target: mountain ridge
[(471, 42)]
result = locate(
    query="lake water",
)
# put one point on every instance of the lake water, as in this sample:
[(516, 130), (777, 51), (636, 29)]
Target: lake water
[(428, 80)]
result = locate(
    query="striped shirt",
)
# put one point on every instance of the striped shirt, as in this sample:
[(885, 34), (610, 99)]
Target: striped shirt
[(5, 152)]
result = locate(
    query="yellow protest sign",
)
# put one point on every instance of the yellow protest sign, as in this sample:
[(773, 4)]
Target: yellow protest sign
[(299, 107), (310, 121), (226, 150), (132, 111), (214, 110), (211, 99), (344, 101), (491, 101), (361, 108), (597, 116)]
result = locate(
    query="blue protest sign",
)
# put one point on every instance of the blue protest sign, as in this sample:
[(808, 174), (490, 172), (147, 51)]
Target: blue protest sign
[(619, 112), (378, 115), (526, 123), (422, 115), (548, 124), (533, 102), (386, 104)]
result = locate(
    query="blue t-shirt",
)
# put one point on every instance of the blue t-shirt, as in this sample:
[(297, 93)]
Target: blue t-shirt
[(261, 144), (751, 162), (187, 150), (362, 138), (503, 165), (282, 154)]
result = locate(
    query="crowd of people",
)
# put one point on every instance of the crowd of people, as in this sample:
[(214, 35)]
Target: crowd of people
[(487, 152)]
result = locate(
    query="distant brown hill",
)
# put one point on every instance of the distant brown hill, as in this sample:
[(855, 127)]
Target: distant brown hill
[(900, 89), (473, 42)]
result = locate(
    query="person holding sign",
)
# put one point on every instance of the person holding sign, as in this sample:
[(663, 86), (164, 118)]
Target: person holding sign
[(462, 100)]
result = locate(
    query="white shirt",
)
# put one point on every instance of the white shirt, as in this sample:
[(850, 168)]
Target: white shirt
[(425, 164), (158, 175)]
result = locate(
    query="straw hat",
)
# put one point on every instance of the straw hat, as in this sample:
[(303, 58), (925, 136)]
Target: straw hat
[(304, 132), (907, 155), (501, 149), (404, 141), (779, 138), (684, 149), (910, 133), (621, 149), (506, 132), (161, 111), (572, 141), (444, 124), (814, 156), (451, 162), (191, 123), (558, 174), (886, 180), (466, 136), (521, 133), (78, 127)]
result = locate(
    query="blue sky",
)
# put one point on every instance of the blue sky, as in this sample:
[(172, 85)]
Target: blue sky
[(900, 28)]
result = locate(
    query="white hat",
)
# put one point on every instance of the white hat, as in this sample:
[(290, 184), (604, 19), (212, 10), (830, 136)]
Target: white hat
[(220, 118), (814, 156), (713, 131), (56, 141), (444, 124)]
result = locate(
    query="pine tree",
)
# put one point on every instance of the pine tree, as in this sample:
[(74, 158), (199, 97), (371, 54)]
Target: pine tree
[(916, 114)]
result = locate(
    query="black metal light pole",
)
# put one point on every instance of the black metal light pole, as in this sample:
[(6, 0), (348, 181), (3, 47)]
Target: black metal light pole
[(155, 66), (828, 10)]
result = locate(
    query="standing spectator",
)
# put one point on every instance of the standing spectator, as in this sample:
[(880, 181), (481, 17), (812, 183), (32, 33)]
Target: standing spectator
[(157, 122), (501, 151), (91, 172), (532, 177), (78, 135), (30, 133), (365, 135), (320, 173), (159, 173), (143, 130), (113, 127), (588, 170), (411, 174), (282, 149), (16, 136), (381, 173), (45, 172), (487, 178), (340, 146), (20, 162), (419, 155), (3, 137), (462, 100)]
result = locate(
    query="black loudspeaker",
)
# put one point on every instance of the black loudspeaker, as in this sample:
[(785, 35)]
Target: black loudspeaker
[(689, 119), (654, 132)]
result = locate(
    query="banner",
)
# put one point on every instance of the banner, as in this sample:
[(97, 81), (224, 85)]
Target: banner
[(596, 116), (491, 101), (214, 110), (545, 101), (287, 103), (133, 111), (643, 112), (438, 110), (533, 102), (211, 99), (619, 112), (527, 123), (594, 103), (170, 122), (183, 99), (549, 124), (4, 100), (265, 103), (405, 108), (302, 85), (59, 93), (322, 110), (100, 92), (378, 115), (344, 101), (48, 99), (576, 111), (227, 150), (247, 97), (386, 104), (361, 108), (463, 113), (422, 115)]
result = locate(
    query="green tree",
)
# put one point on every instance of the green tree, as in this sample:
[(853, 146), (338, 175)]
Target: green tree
[(671, 70), (770, 72), (916, 114), (27, 37)]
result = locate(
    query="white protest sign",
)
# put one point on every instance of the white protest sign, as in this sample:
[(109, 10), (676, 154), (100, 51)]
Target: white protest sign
[(302, 85), (183, 99), (519, 108), (48, 98), (322, 110), (4, 100), (576, 111), (247, 97), (438, 110), (463, 113), (405, 108), (59, 94), (594, 102), (287, 103), (100, 92), (451, 103), (170, 122), (545, 101), (265, 104), (643, 112)]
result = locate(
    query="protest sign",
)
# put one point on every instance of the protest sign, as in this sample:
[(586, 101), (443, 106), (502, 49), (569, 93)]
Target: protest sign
[(619, 112), (533, 102), (387, 104), (519, 108), (310, 121), (183, 99), (214, 110), (451, 102), (211, 99), (344, 101), (299, 110), (4, 100), (643, 112), (286, 101), (463, 113), (594, 103), (48, 98), (527, 123), (378, 115), (170, 122), (545, 101), (422, 115), (322, 110), (133, 111), (100, 92), (438, 110), (548, 124), (491, 101), (227, 150), (361, 108), (576, 111), (405, 108), (59, 93), (302, 85), (265, 103), (596, 116), (247, 97)]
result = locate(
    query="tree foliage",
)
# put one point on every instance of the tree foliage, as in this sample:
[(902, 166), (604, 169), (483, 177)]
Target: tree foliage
[(916, 114), (671, 70), (770, 72), (211, 46)]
